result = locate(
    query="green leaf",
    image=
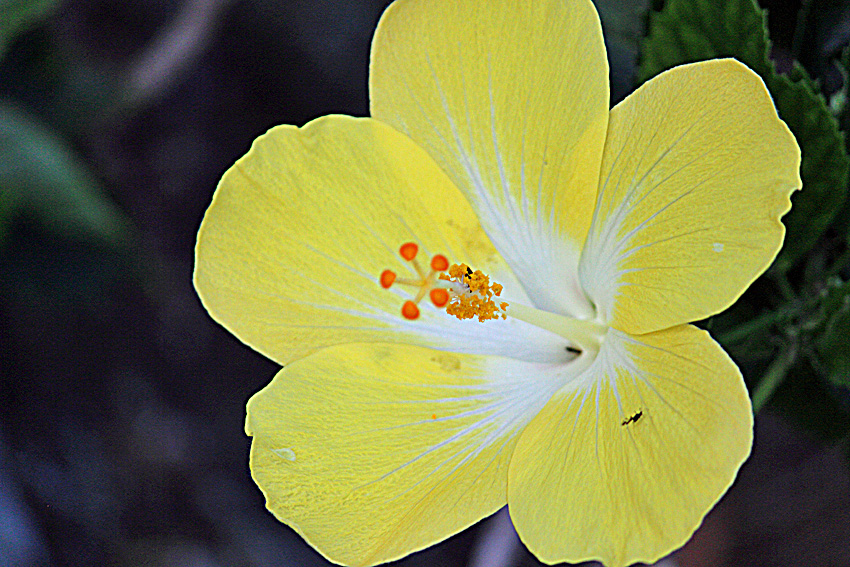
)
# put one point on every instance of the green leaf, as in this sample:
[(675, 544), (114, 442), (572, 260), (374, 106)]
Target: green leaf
[(824, 168), (686, 31), (18, 16), (694, 30), (40, 174), (833, 345)]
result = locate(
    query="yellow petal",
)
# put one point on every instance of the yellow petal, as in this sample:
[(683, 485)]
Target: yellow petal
[(697, 171), (624, 469), (300, 229), (371, 452), (511, 99)]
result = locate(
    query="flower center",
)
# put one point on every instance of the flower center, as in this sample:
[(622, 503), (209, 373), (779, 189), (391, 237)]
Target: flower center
[(466, 294)]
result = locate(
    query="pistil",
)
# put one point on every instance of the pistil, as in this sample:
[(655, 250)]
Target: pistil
[(587, 336)]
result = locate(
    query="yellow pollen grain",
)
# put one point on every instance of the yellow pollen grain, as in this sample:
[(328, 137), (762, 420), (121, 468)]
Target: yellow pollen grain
[(478, 302)]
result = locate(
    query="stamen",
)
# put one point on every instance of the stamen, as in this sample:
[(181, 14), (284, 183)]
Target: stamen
[(408, 251)]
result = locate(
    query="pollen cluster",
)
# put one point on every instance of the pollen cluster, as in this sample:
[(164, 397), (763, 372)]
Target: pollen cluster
[(477, 298)]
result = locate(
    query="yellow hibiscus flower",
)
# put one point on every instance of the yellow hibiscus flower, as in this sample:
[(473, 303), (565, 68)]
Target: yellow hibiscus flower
[(481, 294)]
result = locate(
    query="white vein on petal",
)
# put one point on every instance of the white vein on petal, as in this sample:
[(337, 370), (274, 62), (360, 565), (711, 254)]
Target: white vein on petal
[(503, 417), (601, 269), (531, 261)]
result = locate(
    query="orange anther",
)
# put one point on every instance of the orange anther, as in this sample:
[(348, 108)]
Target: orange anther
[(409, 309), (408, 251), (439, 296), (434, 416), (387, 278), (439, 263)]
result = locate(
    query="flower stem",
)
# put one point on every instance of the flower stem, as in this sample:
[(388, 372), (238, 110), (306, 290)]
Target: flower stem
[(751, 327), (773, 377)]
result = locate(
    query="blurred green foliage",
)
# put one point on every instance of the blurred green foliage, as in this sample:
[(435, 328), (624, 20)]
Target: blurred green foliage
[(791, 331), (18, 16), (832, 343), (41, 175)]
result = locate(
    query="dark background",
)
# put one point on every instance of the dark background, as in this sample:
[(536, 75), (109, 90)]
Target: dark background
[(122, 403)]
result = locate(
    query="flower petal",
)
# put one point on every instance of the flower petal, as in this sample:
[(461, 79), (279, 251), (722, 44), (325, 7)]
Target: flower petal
[(371, 452), (511, 99), (697, 171), (636, 458), (291, 250)]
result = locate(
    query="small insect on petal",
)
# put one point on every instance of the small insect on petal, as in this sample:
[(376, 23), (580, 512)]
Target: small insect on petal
[(633, 419)]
